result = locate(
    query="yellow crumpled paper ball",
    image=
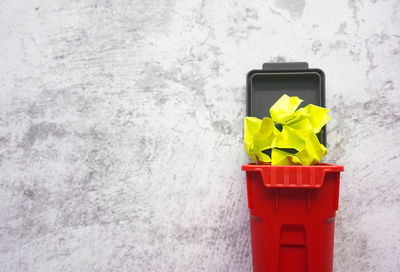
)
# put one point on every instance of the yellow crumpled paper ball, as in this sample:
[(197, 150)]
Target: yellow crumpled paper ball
[(299, 128)]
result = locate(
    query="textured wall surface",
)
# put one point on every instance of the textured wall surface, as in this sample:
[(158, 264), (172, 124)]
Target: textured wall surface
[(121, 129)]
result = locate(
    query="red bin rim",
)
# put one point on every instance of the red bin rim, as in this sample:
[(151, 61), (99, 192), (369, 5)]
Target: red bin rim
[(293, 176)]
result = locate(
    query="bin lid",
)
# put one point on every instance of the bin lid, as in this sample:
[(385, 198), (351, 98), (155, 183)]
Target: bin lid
[(266, 86)]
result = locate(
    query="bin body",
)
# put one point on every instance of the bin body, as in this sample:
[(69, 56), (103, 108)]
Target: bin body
[(292, 216)]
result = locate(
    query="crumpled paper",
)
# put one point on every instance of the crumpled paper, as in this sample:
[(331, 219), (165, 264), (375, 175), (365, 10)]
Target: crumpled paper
[(299, 128)]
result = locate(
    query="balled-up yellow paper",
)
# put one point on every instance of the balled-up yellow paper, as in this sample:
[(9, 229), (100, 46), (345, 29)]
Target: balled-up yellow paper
[(258, 136), (299, 128)]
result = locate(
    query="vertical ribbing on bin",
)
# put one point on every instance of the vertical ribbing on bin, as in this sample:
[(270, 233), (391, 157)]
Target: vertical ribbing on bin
[(273, 176), (286, 176), (312, 176), (299, 176)]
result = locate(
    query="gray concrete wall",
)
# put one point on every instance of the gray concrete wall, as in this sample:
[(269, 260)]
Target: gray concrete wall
[(121, 129)]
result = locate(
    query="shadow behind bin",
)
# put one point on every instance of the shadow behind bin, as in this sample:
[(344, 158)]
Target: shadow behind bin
[(292, 216)]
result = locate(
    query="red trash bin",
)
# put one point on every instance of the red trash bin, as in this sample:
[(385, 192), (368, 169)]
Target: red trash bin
[(292, 216)]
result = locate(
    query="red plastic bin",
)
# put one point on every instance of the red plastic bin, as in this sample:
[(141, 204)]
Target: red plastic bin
[(292, 216)]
